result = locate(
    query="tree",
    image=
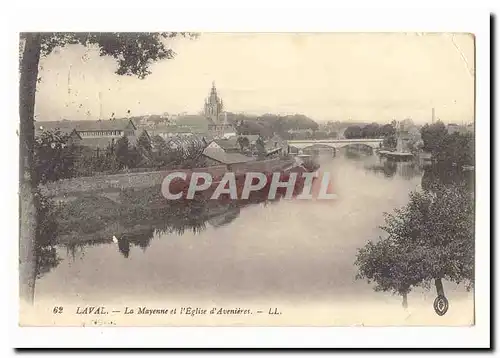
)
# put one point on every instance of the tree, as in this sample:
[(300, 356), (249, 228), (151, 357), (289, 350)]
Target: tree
[(386, 263), (433, 137), (430, 239), (387, 130), (390, 141), (353, 132), (143, 151), (260, 147), (53, 158), (158, 144), (122, 152), (370, 131), (144, 143), (134, 53), (320, 135), (243, 142), (332, 134), (456, 148)]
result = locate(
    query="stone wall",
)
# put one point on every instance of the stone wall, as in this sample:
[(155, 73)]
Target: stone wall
[(104, 182), (148, 179), (269, 165)]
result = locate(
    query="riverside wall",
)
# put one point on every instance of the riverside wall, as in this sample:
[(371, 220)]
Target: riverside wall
[(117, 182)]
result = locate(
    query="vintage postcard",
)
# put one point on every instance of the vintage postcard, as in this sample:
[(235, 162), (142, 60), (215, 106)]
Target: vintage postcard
[(247, 179)]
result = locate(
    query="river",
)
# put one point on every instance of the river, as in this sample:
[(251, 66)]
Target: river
[(289, 252)]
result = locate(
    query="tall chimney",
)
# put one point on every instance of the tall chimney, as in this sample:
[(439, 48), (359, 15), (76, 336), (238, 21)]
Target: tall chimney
[(433, 114)]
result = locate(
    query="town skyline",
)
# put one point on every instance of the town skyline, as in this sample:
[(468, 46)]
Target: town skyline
[(327, 77)]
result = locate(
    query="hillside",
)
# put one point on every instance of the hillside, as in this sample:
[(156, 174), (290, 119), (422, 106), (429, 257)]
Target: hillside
[(269, 124)]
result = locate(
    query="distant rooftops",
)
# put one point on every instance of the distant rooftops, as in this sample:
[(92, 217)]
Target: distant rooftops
[(85, 125), (226, 158)]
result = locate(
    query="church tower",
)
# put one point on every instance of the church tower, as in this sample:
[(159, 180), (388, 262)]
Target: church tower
[(213, 105)]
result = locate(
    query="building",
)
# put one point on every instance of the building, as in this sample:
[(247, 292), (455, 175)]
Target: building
[(225, 145), (462, 129), (98, 134), (218, 125), (170, 131), (193, 123), (217, 157), (252, 138), (186, 143), (277, 145)]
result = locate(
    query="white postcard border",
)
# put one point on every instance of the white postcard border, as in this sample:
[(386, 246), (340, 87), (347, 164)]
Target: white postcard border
[(294, 19)]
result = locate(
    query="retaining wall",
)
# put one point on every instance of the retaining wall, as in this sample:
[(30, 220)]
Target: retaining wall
[(148, 179)]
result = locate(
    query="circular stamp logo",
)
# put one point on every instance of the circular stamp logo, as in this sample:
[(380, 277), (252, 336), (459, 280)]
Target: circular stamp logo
[(441, 305)]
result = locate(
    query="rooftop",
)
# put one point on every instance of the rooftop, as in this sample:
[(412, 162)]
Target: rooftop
[(228, 144), (226, 158), (84, 125)]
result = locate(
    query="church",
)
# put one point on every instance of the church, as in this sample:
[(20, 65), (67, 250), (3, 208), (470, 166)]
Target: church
[(218, 124)]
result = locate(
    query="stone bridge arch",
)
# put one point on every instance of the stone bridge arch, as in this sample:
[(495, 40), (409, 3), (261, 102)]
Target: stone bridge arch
[(320, 147), (334, 144), (371, 145)]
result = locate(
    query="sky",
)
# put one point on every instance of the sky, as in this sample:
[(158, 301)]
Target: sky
[(370, 77)]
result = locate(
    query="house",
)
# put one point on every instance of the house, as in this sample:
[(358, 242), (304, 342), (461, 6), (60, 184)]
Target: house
[(186, 143), (276, 145), (217, 157), (462, 129), (98, 134), (169, 131), (230, 145), (196, 124)]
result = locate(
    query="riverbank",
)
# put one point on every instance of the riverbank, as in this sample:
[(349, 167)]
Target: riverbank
[(62, 189), (136, 213)]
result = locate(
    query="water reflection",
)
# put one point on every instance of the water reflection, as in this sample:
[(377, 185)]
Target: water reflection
[(389, 168), (139, 218), (134, 217), (435, 176)]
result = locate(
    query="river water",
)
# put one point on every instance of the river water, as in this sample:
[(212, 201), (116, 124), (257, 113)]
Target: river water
[(290, 251)]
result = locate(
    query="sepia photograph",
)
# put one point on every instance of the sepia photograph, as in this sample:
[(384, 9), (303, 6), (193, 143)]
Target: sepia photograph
[(247, 179)]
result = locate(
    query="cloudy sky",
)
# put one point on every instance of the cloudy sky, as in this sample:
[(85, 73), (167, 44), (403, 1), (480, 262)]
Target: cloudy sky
[(361, 77)]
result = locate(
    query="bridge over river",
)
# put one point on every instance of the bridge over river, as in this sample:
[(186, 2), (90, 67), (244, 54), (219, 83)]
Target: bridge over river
[(334, 144)]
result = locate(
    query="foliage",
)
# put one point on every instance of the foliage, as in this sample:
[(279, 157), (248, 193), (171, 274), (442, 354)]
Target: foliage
[(320, 135), (448, 148), (431, 238), (260, 147), (269, 124), (243, 142), (390, 142), (53, 157), (134, 51), (158, 144), (372, 130), (352, 132), (433, 137), (122, 152), (46, 231), (144, 143), (387, 130), (168, 155)]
